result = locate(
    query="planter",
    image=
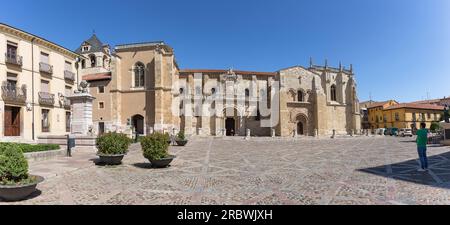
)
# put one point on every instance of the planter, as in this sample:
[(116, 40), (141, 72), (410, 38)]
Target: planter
[(181, 142), (19, 192), (162, 163), (111, 159)]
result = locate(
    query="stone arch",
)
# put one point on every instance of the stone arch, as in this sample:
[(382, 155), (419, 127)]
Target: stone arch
[(292, 95), (301, 124), (137, 122), (93, 60)]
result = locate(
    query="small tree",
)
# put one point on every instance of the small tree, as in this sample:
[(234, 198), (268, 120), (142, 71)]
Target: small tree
[(181, 136), (113, 144), (13, 165), (155, 146), (434, 127)]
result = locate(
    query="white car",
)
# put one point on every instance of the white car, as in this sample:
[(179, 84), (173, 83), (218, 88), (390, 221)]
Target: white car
[(403, 132)]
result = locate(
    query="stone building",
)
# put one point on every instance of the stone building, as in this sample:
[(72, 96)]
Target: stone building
[(141, 89), (36, 76)]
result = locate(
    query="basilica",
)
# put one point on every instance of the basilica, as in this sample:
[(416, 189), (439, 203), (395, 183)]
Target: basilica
[(140, 88)]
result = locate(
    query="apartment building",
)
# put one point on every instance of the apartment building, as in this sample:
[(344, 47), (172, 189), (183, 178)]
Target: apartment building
[(36, 76)]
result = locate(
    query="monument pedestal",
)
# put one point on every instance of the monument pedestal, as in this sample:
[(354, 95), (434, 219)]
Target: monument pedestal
[(81, 123)]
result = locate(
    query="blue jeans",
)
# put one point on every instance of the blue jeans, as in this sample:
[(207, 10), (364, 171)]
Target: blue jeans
[(423, 156)]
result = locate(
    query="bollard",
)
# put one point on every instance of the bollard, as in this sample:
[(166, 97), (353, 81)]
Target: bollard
[(70, 145), (273, 134), (248, 133), (334, 133)]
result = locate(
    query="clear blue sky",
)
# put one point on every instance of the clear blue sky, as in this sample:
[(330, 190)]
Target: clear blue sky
[(400, 48)]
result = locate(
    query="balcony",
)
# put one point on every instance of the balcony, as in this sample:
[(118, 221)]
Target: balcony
[(14, 94), (45, 68), (69, 75), (13, 59), (46, 98)]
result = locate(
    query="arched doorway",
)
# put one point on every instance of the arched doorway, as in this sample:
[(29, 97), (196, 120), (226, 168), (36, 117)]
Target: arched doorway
[(230, 126), (138, 124), (232, 121), (300, 130), (302, 124)]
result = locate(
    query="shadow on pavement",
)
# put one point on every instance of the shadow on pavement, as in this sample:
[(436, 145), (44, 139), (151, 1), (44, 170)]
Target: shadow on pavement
[(437, 176)]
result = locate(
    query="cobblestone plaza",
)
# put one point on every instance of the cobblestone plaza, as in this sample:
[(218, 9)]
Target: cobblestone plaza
[(359, 170)]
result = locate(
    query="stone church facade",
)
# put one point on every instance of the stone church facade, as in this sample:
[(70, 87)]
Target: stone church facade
[(139, 88)]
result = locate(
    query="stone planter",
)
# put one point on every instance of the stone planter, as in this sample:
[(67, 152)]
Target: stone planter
[(182, 142), (111, 159), (162, 163), (20, 192)]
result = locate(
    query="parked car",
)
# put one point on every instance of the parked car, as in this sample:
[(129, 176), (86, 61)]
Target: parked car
[(391, 131), (380, 131), (405, 132)]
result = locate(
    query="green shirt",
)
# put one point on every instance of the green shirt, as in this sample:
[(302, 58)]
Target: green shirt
[(422, 138)]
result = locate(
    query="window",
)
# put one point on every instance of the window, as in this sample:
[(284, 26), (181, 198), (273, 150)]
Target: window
[(101, 105), (67, 121), (45, 58), (247, 92), (101, 89), (333, 93), (397, 117), (68, 91), (11, 50), (181, 90), (213, 90), (83, 64), (414, 116), (139, 75), (300, 96), (68, 66), (93, 60), (101, 128), (45, 121), (85, 48), (429, 115), (45, 86), (11, 81)]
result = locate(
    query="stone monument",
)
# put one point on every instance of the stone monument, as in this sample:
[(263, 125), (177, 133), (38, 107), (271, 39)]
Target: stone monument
[(82, 124)]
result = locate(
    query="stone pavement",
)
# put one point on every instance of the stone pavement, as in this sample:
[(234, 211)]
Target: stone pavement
[(360, 170)]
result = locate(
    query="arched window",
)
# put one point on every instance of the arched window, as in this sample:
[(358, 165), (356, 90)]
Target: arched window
[(105, 62), (213, 90), (333, 93), (83, 64), (300, 96), (139, 75), (93, 61), (247, 92)]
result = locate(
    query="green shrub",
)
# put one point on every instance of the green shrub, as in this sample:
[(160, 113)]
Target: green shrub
[(434, 127), (155, 146), (113, 144), (13, 164), (26, 148), (181, 136)]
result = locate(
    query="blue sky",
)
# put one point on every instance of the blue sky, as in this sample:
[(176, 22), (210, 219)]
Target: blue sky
[(400, 49)]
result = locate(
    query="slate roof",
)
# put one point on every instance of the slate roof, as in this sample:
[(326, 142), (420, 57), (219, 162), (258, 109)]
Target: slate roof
[(94, 42)]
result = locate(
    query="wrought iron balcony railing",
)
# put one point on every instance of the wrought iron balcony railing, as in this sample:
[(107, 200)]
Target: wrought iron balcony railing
[(46, 98), (69, 75), (14, 94), (45, 68), (13, 59)]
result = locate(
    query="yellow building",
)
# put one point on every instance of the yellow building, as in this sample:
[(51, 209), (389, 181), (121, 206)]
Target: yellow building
[(376, 113), (407, 115)]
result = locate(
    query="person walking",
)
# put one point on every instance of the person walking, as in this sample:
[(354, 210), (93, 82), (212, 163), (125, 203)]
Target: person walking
[(422, 140)]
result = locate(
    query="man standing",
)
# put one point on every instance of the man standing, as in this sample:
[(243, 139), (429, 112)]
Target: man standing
[(422, 140)]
